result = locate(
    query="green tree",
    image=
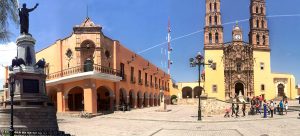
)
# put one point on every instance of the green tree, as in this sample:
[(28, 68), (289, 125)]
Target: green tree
[(8, 13)]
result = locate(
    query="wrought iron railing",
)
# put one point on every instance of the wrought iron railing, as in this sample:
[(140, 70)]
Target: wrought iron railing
[(81, 69)]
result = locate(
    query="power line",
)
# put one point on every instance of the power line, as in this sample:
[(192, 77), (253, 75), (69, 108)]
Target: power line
[(228, 23)]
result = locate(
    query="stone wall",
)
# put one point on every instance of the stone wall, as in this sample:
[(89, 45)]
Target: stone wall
[(210, 106), (31, 118)]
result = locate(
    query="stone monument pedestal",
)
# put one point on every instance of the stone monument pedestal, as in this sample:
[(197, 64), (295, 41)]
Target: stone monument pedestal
[(32, 108)]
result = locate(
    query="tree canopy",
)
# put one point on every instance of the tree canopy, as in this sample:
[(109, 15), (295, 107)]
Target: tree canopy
[(8, 14)]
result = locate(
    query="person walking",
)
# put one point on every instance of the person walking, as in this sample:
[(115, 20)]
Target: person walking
[(227, 111), (265, 109), (237, 110), (272, 108), (286, 105), (232, 109), (244, 109)]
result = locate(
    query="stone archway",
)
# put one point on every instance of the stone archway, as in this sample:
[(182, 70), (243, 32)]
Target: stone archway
[(239, 88), (131, 99), (146, 100), (280, 90), (155, 100), (76, 99), (151, 100), (87, 49), (187, 92), (105, 99), (139, 99), (197, 91), (122, 97)]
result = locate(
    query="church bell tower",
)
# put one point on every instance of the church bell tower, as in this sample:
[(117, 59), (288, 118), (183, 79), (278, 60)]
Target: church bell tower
[(213, 35), (259, 32), (213, 50)]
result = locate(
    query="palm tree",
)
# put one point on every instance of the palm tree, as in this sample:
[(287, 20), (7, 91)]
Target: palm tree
[(8, 12)]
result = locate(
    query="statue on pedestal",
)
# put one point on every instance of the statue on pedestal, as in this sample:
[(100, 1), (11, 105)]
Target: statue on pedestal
[(24, 18)]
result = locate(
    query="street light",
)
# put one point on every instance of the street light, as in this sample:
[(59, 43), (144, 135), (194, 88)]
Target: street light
[(12, 82), (199, 61)]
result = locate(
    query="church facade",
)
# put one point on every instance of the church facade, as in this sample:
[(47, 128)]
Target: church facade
[(242, 67)]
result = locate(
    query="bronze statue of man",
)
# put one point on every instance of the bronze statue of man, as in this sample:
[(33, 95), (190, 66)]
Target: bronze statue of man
[(24, 18)]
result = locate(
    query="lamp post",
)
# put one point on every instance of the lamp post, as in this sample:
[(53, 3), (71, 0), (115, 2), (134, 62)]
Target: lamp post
[(199, 61), (12, 82)]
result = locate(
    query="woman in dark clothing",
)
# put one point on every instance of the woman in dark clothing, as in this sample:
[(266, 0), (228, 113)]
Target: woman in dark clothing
[(232, 109), (244, 109)]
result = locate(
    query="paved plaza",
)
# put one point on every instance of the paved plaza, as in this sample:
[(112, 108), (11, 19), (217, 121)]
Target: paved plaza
[(181, 121)]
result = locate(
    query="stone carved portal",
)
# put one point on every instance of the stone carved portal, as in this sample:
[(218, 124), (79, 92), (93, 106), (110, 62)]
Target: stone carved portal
[(238, 72)]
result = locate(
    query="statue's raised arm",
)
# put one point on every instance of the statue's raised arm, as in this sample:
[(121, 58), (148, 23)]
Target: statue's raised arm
[(29, 10), (24, 18)]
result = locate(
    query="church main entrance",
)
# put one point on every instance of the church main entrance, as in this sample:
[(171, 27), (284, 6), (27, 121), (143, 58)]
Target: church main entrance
[(239, 88), (280, 88)]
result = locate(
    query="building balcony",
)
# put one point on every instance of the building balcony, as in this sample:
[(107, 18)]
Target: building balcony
[(83, 72), (140, 81), (124, 77), (133, 80), (156, 86), (151, 85)]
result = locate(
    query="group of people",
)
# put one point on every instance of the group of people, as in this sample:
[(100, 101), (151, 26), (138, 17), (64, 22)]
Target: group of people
[(271, 107), (235, 108), (256, 105)]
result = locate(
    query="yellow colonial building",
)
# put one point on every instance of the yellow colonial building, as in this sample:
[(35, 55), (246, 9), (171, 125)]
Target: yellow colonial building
[(241, 67)]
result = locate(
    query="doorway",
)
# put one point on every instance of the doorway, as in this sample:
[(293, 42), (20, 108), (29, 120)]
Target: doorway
[(239, 88)]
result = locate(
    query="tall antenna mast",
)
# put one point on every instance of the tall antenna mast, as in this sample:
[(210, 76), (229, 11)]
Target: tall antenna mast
[(87, 11), (169, 45)]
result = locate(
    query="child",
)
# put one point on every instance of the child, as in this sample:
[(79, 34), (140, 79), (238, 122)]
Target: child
[(227, 110)]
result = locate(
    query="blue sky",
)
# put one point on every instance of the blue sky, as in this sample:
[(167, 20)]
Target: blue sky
[(140, 24)]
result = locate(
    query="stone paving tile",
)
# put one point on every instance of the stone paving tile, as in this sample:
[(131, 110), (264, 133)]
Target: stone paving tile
[(182, 132), (182, 120)]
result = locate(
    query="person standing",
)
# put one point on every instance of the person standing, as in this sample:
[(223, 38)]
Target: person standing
[(281, 107), (275, 109), (272, 108), (257, 106), (232, 109), (260, 98), (252, 106), (265, 109), (244, 109), (286, 105)]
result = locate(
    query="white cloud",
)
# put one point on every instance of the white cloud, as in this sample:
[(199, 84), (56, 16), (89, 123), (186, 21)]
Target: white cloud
[(7, 53)]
